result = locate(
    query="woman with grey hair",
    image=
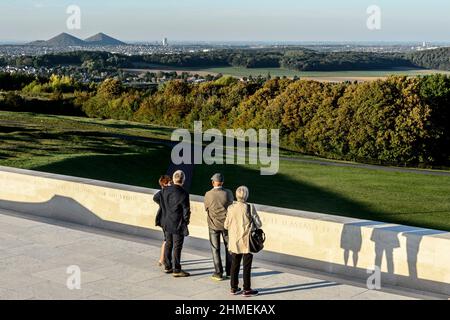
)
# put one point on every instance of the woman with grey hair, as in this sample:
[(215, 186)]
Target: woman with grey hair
[(241, 217)]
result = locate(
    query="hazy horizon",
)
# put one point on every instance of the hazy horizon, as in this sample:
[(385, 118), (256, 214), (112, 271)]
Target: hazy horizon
[(245, 42), (228, 21)]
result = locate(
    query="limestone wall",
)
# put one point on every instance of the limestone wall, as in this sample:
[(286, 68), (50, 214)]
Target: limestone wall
[(410, 257)]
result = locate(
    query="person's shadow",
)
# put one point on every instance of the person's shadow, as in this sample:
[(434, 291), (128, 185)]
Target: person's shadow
[(386, 240), (351, 240), (413, 240)]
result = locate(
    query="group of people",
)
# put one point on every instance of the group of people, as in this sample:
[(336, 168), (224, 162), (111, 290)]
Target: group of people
[(229, 220)]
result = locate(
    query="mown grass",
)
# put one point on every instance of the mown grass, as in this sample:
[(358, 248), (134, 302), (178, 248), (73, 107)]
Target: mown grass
[(111, 151), (280, 72), (83, 147)]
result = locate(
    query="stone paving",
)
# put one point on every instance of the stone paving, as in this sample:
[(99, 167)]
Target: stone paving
[(35, 255)]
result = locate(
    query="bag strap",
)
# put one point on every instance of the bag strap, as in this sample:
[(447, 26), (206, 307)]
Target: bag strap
[(250, 216)]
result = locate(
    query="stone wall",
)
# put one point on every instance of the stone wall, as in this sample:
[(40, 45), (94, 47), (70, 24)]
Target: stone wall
[(410, 257)]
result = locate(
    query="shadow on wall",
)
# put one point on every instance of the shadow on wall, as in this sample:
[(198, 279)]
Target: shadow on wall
[(413, 240), (385, 237), (351, 240), (69, 210)]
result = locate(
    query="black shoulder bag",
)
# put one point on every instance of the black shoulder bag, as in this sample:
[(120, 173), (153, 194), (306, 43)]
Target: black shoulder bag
[(257, 236)]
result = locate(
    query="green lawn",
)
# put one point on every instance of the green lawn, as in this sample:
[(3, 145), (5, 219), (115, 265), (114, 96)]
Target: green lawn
[(83, 147), (103, 150), (280, 72)]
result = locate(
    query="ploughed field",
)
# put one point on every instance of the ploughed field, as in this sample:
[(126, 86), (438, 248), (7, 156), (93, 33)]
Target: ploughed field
[(137, 154)]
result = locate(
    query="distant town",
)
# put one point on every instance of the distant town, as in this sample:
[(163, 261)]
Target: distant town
[(102, 42), (157, 63)]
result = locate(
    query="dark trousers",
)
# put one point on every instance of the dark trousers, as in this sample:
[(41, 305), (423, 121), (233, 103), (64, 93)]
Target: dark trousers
[(214, 240), (235, 266), (174, 242)]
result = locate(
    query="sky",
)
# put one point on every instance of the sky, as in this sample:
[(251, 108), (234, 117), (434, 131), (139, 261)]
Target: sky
[(229, 20)]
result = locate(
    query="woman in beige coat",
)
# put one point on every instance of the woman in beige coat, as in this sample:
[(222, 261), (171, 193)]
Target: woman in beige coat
[(238, 223)]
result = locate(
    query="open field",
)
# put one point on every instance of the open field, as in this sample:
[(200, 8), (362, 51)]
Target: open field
[(326, 76), (110, 150)]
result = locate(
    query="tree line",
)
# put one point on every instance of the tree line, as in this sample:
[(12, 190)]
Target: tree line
[(400, 120), (294, 58), (432, 59)]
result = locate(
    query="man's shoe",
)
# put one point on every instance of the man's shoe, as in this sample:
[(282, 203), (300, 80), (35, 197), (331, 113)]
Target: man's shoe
[(235, 292), (168, 270), (217, 277), (181, 274), (250, 293), (227, 277)]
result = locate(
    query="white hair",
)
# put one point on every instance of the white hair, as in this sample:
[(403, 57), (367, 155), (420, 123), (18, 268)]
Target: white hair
[(242, 193), (178, 177)]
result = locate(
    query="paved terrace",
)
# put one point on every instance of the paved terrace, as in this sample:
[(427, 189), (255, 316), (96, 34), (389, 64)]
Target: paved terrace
[(35, 254)]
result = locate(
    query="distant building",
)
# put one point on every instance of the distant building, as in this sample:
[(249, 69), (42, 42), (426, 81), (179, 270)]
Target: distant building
[(165, 43)]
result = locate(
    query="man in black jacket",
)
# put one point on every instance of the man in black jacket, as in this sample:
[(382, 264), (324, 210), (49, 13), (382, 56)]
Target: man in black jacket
[(176, 213)]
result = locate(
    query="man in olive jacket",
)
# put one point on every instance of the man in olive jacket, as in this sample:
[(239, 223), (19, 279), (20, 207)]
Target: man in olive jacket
[(217, 201), (176, 213)]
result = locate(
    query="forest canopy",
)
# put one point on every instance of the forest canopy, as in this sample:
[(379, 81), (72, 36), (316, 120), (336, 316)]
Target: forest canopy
[(400, 120)]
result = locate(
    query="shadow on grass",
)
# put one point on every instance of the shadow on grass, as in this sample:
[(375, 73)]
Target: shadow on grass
[(10, 129), (81, 141), (83, 147), (117, 124), (125, 126), (280, 191), (134, 169), (22, 137)]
